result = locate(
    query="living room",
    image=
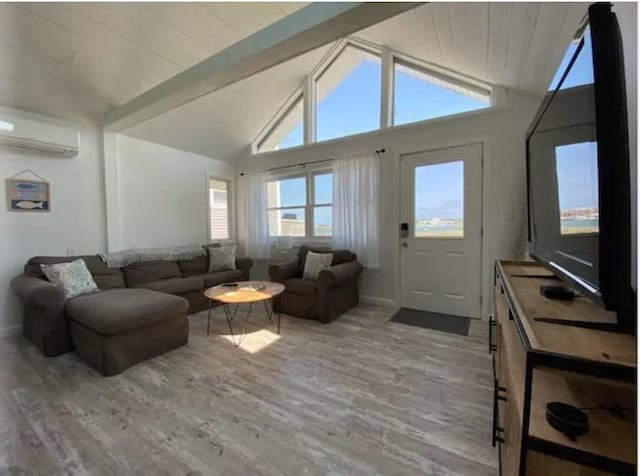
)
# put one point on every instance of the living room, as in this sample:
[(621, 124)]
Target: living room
[(273, 127)]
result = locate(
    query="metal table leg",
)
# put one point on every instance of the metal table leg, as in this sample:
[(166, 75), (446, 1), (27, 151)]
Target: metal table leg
[(230, 316)]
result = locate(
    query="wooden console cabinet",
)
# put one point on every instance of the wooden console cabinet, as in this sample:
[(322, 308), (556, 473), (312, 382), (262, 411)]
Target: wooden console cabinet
[(536, 363)]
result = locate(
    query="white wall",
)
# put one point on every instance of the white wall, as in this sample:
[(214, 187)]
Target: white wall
[(163, 193), (504, 197), (76, 219)]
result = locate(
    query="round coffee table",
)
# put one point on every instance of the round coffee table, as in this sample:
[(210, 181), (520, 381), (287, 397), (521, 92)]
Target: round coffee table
[(243, 292)]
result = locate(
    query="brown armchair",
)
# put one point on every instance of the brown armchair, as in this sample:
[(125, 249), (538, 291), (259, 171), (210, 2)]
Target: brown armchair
[(334, 292)]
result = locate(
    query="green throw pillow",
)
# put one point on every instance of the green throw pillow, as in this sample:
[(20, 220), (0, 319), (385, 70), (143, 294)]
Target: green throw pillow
[(222, 258), (315, 263)]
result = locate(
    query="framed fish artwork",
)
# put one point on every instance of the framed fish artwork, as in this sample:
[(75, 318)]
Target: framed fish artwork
[(28, 195)]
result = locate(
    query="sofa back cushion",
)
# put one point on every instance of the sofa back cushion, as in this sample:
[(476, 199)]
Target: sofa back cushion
[(194, 266), (147, 271), (339, 256), (104, 277)]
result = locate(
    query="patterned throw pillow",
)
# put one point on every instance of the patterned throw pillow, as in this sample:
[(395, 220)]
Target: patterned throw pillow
[(315, 263), (74, 278), (222, 258)]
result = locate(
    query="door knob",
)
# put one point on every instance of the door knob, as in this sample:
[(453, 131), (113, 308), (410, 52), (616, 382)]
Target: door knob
[(404, 244)]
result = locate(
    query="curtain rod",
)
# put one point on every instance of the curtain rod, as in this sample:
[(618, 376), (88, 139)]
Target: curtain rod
[(304, 164)]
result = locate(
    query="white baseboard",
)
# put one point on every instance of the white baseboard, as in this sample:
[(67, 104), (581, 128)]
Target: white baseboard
[(378, 301), (10, 331)]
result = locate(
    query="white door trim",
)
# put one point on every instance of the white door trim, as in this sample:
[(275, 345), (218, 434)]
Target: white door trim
[(484, 144)]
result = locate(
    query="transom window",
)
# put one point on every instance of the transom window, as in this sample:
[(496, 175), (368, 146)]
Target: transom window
[(346, 95), (287, 132), (301, 205), (420, 95)]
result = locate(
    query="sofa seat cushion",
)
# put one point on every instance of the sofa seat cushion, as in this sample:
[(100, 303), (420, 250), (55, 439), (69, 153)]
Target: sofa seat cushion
[(116, 311), (219, 277), (174, 285), (301, 286)]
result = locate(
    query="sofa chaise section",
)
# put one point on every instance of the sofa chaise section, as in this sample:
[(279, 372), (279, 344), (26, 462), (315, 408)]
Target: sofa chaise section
[(115, 329)]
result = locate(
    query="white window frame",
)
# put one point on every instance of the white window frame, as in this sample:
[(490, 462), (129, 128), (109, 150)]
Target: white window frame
[(435, 71), (307, 89), (230, 205), (309, 175)]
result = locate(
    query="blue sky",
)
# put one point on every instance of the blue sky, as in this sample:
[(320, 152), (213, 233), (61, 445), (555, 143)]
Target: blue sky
[(577, 172), (439, 190), (582, 70), (353, 106)]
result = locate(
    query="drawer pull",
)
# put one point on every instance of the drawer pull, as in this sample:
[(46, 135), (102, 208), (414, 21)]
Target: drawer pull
[(492, 324)]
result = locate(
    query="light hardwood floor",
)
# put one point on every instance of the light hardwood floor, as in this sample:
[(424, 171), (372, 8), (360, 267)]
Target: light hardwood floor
[(360, 396)]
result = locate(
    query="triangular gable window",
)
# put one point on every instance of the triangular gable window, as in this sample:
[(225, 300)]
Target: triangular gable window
[(348, 95), (420, 94), (287, 132)]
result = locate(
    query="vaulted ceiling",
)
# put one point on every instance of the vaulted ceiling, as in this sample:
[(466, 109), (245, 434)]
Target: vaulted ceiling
[(71, 59), (516, 45)]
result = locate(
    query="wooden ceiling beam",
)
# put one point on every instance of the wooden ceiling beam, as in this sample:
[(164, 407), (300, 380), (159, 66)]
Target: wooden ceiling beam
[(304, 30)]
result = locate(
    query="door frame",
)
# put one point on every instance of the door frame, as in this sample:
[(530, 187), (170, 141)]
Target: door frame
[(484, 147)]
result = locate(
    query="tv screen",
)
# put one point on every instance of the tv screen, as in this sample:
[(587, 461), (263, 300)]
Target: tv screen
[(578, 169), (563, 170)]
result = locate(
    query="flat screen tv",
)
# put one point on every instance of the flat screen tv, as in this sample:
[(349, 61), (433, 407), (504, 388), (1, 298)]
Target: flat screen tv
[(578, 179)]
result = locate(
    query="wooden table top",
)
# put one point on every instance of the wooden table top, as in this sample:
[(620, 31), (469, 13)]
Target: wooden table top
[(238, 295)]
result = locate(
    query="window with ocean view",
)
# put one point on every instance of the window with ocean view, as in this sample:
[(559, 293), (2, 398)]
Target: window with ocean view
[(439, 200), (577, 174)]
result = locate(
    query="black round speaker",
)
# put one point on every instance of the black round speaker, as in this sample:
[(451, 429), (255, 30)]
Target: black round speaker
[(567, 419)]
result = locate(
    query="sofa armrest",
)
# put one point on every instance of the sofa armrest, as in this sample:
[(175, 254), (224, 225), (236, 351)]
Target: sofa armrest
[(339, 274), (38, 292), (280, 272), (244, 265)]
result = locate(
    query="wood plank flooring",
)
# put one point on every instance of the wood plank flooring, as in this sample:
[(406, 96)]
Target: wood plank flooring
[(360, 396)]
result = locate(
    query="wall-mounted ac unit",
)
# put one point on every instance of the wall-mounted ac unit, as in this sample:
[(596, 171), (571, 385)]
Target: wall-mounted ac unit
[(38, 134)]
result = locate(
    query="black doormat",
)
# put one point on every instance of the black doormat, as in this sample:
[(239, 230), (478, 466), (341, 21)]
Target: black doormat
[(433, 320)]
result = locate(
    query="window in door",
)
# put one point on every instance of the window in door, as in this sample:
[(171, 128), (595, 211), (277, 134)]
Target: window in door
[(439, 200), (577, 174)]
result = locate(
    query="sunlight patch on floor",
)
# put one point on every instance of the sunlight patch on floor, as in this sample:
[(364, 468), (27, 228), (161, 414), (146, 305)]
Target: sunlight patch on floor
[(253, 342)]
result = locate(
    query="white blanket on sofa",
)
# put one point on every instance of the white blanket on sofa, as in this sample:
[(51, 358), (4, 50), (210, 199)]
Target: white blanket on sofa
[(122, 258)]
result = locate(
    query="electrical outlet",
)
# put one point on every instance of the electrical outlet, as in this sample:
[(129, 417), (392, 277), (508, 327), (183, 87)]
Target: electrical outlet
[(71, 251)]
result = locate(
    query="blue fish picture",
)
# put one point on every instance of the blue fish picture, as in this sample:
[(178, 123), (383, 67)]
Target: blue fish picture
[(28, 196)]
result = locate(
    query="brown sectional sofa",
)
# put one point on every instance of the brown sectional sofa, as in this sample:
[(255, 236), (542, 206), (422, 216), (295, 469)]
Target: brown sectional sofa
[(333, 293), (139, 312)]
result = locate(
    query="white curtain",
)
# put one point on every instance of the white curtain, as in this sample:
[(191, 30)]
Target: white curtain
[(258, 242), (355, 207)]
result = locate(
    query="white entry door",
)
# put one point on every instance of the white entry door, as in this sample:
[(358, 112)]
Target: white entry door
[(441, 204)]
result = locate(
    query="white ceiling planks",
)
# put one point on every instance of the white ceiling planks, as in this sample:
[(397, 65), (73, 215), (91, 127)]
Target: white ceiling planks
[(509, 44), (499, 29), (470, 28), (523, 24), (100, 55), (543, 42), (89, 58), (501, 43), (222, 123)]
